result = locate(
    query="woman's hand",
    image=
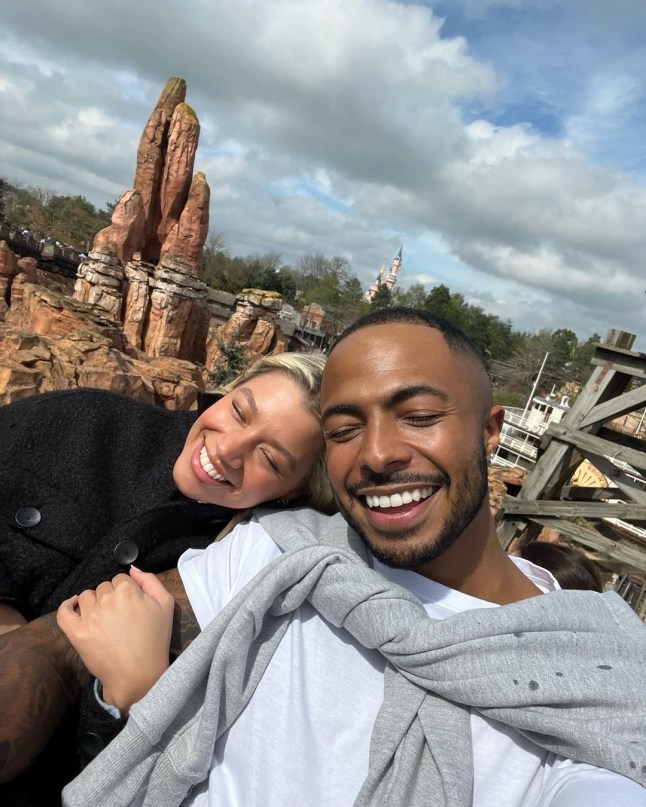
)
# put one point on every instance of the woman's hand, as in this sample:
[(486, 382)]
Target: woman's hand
[(122, 632)]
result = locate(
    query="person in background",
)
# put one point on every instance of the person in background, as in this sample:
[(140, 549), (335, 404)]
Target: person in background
[(571, 568)]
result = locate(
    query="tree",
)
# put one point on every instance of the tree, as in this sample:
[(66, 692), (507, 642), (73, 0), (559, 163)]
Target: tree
[(438, 301), (331, 283), (382, 298), (581, 368), (415, 296), (69, 219), (232, 362)]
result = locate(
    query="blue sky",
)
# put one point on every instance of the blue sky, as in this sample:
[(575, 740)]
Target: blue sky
[(501, 141)]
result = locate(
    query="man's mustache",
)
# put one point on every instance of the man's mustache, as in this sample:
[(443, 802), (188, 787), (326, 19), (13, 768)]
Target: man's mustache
[(374, 480)]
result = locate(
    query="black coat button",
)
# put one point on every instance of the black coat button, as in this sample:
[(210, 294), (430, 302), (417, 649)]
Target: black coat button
[(91, 743), (126, 552), (28, 517)]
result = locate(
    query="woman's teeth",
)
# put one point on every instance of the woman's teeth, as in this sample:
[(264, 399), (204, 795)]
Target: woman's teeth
[(208, 468), (397, 499)]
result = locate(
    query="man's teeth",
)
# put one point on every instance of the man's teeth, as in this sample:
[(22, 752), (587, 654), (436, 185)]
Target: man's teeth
[(207, 466), (397, 499)]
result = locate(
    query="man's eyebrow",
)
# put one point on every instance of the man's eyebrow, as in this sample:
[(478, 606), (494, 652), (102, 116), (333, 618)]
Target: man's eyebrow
[(400, 396), (248, 394), (340, 409), (416, 389)]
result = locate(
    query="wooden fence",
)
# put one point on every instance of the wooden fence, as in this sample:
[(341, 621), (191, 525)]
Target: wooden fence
[(614, 529)]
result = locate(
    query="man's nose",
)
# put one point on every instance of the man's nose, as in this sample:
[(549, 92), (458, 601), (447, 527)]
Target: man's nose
[(383, 449)]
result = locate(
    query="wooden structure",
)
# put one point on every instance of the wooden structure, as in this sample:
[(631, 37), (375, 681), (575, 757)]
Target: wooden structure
[(616, 529)]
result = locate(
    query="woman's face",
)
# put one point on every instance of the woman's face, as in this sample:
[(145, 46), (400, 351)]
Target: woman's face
[(257, 443)]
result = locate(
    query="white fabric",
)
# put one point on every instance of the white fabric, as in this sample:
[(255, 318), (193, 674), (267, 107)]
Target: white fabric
[(304, 737)]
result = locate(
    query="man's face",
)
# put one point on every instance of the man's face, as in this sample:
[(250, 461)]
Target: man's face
[(407, 425)]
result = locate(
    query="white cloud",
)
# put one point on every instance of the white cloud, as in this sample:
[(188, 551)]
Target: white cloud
[(342, 127)]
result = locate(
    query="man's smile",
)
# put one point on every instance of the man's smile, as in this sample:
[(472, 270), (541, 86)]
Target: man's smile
[(408, 496)]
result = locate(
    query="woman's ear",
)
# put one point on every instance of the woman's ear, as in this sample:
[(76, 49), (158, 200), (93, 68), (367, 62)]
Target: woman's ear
[(492, 426)]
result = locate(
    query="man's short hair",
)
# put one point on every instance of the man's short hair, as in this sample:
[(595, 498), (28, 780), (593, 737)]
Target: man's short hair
[(456, 339)]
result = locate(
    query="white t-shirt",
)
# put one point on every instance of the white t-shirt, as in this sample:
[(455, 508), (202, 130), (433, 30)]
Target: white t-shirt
[(303, 740)]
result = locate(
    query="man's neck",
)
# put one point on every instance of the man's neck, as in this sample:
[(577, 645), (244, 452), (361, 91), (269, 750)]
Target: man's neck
[(477, 565)]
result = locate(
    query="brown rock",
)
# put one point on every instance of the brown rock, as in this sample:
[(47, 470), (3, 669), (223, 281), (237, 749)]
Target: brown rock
[(100, 281), (183, 135), (8, 261), (29, 267), (17, 382), (175, 382), (500, 477), (150, 161), (137, 301), (8, 269), (170, 317), (48, 313), (126, 233), (261, 340), (187, 236)]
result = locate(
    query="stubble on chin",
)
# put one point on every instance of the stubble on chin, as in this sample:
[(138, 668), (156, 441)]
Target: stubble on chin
[(409, 548)]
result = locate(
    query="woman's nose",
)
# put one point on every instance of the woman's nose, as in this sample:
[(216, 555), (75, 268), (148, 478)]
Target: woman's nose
[(232, 449)]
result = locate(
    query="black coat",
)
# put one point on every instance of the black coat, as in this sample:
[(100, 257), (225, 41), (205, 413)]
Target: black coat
[(86, 489)]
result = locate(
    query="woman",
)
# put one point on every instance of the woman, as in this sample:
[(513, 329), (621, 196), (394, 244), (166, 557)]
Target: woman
[(262, 441), (259, 443), (116, 482)]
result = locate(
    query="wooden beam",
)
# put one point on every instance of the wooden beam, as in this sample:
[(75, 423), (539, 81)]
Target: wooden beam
[(621, 551), (628, 487), (630, 364), (564, 509), (621, 438), (591, 444), (615, 407), (577, 494)]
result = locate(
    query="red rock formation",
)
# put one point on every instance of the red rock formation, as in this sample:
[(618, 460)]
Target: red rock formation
[(51, 341), (150, 162), (183, 135), (126, 233), (176, 303), (252, 326), (8, 268), (187, 236), (100, 281), (29, 267), (137, 300), (165, 310)]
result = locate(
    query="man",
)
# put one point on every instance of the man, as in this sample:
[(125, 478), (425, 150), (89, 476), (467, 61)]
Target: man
[(408, 421)]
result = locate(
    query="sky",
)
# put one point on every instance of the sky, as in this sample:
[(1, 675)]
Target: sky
[(501, 142)]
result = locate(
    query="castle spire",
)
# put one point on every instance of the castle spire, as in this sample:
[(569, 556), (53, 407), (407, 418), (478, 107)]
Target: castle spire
[(391, 278)]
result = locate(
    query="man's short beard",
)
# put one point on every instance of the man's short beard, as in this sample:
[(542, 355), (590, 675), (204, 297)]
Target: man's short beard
[(467, 501)]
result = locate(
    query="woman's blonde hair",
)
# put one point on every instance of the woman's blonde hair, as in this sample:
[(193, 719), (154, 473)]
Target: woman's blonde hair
[(306, 371)]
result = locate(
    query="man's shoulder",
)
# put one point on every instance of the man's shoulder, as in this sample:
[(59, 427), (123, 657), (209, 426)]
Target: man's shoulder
[(298, 527)]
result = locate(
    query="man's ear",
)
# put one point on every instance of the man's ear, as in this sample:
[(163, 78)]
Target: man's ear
[(492, 426)]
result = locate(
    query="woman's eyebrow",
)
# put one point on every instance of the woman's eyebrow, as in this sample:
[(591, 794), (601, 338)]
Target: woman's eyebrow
[(248, 394)]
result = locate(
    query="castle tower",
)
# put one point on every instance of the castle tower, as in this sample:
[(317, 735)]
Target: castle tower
[(390, 280)]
